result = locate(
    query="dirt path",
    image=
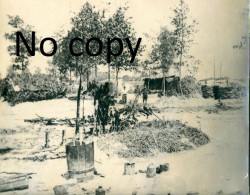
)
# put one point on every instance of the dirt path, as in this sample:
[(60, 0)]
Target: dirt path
[(221, 165)]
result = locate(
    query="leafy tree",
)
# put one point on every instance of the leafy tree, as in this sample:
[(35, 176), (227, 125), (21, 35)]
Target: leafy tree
[(86, 25), (120, 26), (52, 69), (19, 62), (163, 53), (243, 44), (183, 32), (63, 59)]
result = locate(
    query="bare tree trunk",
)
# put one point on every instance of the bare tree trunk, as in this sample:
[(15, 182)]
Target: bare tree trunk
[(78, 105), (103, 128), (180, 71), (83, 99), (117, 72), (87, 79), (70, 80), (60, 77), (164, 83), (182, 37), (148, 77), (109, 72), (95, 71), (134, 78)]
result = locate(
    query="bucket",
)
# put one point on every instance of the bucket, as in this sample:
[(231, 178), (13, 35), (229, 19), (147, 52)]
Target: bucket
[(80, 158), (129, 168), (151, 171)]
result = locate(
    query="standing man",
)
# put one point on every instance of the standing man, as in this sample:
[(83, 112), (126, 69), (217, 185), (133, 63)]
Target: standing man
[(144, 95), (124, 95)]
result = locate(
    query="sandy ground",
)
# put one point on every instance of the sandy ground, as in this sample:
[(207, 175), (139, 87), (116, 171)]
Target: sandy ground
[(219, 166)]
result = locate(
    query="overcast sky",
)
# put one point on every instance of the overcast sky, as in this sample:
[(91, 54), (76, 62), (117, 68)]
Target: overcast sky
[(221, 25)]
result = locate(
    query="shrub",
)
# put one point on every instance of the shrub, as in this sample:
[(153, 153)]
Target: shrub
[(32, 87), (189, 86)]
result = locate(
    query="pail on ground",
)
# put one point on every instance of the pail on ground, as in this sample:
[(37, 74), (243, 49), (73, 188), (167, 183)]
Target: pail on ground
[(129, 168), (80, 158)]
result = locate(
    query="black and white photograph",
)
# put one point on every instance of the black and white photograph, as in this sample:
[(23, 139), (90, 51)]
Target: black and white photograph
[(124, 97)]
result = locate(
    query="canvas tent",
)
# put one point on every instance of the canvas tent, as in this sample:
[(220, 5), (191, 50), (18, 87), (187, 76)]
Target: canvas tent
[(172, 84)]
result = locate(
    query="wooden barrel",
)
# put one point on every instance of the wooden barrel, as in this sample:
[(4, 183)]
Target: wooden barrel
[(80, 158)]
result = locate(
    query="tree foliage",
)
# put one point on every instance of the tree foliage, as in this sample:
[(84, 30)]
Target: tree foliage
[(120, 26), (163, 52), (184, 30), (19, 62)]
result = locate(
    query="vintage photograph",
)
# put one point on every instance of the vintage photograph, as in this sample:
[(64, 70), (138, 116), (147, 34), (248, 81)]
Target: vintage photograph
[(122, 97)]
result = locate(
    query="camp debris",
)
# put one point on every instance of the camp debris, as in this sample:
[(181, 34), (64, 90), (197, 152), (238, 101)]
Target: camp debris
[(13, 181)]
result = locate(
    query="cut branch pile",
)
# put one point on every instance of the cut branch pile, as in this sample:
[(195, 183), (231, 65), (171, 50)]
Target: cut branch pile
[(148, 138)]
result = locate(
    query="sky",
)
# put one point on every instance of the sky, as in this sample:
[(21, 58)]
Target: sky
[(221, 25)]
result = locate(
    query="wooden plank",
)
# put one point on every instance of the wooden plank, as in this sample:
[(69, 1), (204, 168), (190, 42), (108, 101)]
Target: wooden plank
[(13, 181)]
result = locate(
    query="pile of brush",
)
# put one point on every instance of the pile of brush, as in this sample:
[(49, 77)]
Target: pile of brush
[(151, 137)]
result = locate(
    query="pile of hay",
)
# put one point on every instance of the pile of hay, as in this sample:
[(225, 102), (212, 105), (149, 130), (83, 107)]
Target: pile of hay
[(149, 138)]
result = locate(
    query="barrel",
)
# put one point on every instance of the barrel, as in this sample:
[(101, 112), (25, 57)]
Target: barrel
[(80, 158), (151, 171)]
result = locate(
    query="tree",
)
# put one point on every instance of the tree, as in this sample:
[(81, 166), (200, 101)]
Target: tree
[(120, 26), (63, 59), (19, 62), (146, 65), (85, 25), (183, 32), (243, 43), (163, 53), (52, 69)]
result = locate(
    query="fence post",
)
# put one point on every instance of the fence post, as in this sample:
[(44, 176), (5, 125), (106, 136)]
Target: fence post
[(47, 139), (63, 134)]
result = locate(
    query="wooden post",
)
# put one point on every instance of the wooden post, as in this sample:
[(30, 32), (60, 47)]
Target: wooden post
[(63, 133), (47, 139)]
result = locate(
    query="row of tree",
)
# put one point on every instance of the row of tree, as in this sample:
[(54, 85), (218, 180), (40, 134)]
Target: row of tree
[(171, 49), (89, 23)]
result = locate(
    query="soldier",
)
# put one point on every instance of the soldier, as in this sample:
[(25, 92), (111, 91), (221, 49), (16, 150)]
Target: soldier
[(124, 95), (144, 95)]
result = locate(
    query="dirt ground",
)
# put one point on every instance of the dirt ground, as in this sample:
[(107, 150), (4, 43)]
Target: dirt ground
[(219, 167)]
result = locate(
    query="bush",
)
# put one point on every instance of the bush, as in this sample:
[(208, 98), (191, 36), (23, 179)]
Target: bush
[(189, 86), (32, 87)]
